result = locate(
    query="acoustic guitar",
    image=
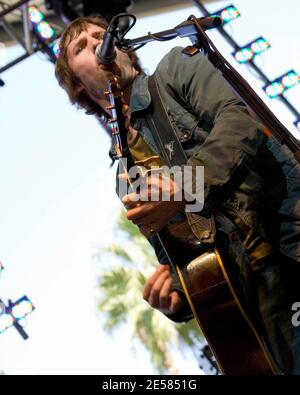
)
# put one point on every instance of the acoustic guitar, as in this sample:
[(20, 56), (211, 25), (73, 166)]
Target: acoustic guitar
[(213, 297)]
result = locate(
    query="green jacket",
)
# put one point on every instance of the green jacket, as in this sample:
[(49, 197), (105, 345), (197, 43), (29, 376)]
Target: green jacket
[(248, 176), (244, 170)]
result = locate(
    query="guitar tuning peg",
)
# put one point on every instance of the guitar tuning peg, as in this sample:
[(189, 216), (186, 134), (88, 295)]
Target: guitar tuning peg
[(125, 109), (114, 80)]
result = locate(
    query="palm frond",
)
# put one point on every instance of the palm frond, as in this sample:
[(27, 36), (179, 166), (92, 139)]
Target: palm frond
[(127, 227), (117, 251), (120, 298)]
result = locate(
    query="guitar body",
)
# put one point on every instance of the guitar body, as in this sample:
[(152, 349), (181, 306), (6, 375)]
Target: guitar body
[(227, 328), (234, 341)]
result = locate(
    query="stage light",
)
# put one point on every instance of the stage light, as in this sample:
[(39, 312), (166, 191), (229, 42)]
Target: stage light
[(281, 84), (228, 14), (55, 48), (13, 313), (243, 55), (40, 25), (21, 308), (45, 31), (290, 79), (259, 45), (274, 89), (247, 53), (35, 15)]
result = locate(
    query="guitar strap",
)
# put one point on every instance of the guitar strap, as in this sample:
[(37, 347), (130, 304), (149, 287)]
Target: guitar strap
[(203, 226)]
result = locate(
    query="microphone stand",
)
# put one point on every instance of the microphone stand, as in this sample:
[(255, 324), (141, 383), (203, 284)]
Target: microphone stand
[(194, 28)]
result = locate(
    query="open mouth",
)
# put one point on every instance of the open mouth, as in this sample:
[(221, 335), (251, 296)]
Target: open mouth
[(106, 67), (112, 67)]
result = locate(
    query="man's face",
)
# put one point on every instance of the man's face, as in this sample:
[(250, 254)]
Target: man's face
[(92, 75)]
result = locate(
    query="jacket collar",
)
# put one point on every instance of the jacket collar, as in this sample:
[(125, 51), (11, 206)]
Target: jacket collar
[(140, 96)]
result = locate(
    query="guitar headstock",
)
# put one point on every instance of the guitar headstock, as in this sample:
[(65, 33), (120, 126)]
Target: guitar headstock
[(115, 87), (109, 94), (118, 110)]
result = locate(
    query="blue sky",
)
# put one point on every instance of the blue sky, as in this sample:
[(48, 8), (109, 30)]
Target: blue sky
[(58, 203)]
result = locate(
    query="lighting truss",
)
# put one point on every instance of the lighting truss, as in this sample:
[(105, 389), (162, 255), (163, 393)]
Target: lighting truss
[(14, 312), (38, 34)]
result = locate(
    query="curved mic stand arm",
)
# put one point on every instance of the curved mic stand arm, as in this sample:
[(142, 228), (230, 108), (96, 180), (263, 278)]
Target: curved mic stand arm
[(184, 29)]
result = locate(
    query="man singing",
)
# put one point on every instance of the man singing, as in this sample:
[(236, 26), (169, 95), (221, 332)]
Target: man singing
[(248, 177)]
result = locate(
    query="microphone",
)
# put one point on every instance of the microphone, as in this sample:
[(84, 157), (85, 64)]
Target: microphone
[(210, 22), (106, 52)]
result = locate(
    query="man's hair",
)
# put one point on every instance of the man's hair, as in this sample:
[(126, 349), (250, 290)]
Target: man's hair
[(65, 76)]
